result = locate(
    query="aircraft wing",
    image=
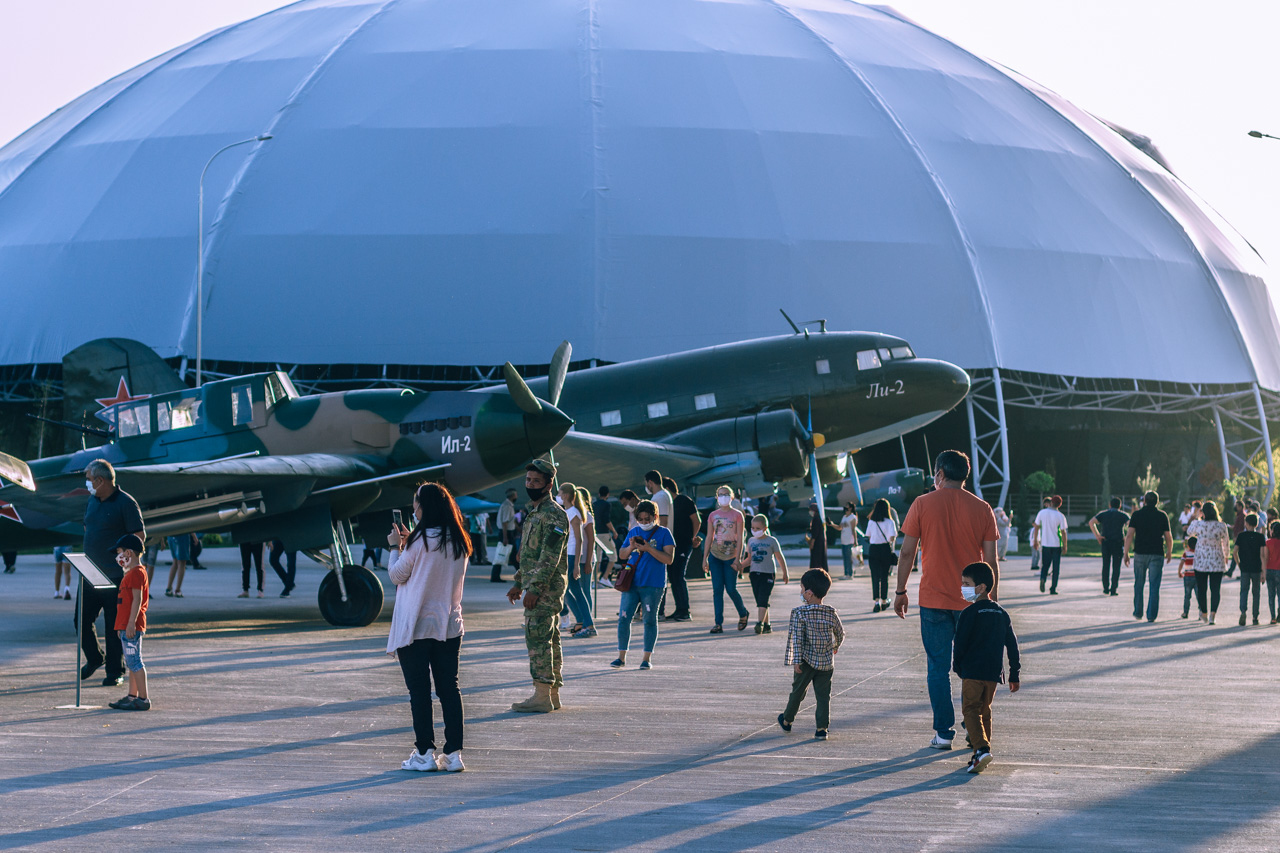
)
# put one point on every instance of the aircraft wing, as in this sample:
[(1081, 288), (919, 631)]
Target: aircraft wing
[(588, 459), (62, 497)]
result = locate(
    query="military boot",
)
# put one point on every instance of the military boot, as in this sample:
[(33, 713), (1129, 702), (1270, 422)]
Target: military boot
[(555, 698), (538, 703)]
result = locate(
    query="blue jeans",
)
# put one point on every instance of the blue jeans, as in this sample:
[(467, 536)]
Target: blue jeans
[(1189, 589), (724, 580), (846, 551), (132, 651), (1147, 568), (639, 596), (578, 596), (938, 631)]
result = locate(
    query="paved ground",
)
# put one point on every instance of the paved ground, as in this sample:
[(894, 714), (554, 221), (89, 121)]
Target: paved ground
[(273, 731)]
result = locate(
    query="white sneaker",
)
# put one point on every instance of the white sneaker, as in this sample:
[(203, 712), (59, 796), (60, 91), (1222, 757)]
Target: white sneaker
[(939, 742), (452, 762), (428, 763)]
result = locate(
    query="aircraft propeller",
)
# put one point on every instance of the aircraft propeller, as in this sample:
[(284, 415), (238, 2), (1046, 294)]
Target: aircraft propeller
[(525, 399)]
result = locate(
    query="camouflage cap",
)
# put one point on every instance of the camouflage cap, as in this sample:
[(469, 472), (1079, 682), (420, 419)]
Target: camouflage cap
[(542, 466)]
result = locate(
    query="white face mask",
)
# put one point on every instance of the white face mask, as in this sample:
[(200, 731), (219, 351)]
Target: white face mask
[(560, 500), (88, 484), (757, 534), (724, 500), (648, 526), (969, 593), (649, 489)]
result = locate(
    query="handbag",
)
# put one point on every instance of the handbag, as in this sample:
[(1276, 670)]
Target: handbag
[(628, 574), (893, 555)]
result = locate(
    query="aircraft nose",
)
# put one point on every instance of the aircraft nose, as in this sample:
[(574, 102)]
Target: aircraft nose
[(545, 429), (947, 383)]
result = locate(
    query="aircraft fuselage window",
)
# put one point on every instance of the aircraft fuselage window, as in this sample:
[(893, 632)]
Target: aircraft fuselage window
[(162, 417), (704, 401), (903, 352), (435, 425), (823, 366), (186, 413), (242, 405), (613, 418), (868, 359), (658, 410)]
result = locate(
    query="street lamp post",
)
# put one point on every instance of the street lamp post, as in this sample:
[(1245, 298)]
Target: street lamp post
[(1257, 134), (200, 256)]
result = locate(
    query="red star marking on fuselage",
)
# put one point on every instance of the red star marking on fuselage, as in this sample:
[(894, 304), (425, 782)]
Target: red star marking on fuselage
[(122, 396), (7, 511)]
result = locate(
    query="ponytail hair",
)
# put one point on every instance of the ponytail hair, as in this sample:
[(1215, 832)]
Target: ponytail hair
[(440, 510)]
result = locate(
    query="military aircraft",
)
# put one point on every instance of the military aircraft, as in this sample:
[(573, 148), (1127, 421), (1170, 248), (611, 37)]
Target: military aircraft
[(252, 455), (750, 414)]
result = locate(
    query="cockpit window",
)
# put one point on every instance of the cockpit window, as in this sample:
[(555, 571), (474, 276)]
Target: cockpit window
[(884, 354), (903, 352), (868, 359)]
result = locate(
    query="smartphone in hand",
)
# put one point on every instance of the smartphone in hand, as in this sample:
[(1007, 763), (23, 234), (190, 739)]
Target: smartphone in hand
[(397, 518)]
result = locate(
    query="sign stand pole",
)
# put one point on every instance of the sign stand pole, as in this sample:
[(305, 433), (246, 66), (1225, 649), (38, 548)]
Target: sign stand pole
[(79, 632), (98, 581)]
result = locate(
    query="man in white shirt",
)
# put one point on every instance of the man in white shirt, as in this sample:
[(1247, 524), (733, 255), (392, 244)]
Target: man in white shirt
[(507, 527), (660, 497), (1050, 536)]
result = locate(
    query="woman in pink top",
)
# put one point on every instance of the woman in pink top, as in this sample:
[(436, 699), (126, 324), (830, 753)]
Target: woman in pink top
[(428, 567)]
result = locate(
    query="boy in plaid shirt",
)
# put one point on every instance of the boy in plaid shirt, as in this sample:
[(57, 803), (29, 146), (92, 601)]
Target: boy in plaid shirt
[(813, 638)]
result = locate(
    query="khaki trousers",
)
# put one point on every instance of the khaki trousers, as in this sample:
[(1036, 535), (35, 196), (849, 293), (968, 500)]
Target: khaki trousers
[(975, 698)]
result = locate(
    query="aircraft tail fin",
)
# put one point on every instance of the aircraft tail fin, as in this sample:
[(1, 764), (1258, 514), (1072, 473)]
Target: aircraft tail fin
[(109, 370)]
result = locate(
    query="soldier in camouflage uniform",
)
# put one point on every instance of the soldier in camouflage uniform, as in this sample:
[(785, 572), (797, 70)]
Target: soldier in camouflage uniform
[(542, 578)]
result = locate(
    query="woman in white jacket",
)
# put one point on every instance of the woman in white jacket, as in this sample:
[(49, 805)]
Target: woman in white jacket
[(428, 567)]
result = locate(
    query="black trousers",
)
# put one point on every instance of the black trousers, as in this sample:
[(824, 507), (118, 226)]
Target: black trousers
[(101, 601), (1112, 557), (878, 560), (291, 559), (676, 582), (422, 661), (1050, 560), (1210, 582), (250, 551)]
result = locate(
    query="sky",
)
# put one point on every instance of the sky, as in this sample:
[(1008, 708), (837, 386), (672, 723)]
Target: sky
[(1195, 77)]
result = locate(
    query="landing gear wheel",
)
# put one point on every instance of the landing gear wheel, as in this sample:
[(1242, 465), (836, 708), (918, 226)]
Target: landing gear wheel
[(364, 598)]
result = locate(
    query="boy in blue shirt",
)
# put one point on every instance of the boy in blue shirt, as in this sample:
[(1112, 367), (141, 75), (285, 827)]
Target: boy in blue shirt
[(983, 634)]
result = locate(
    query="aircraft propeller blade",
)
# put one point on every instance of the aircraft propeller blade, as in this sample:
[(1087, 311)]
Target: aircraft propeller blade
[(519, 390), (857, 484), (559, 369), (816, 440)]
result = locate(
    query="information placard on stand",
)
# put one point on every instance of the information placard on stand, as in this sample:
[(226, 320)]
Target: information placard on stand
[(91, 577)]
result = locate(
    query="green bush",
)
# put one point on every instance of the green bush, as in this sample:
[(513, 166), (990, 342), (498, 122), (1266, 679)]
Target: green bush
[(1039, 481)]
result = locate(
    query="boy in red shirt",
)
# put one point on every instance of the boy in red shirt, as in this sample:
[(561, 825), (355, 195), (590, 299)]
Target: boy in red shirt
[(131, 621), (1188, 575)]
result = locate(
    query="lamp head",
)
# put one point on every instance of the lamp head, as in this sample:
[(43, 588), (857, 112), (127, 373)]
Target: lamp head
[(1256, 134)]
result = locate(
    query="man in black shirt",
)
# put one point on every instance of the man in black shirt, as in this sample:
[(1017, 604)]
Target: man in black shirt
[(1249, 548), (1111, 537), (602, 511), (109, 514), (1150, 538), (685, 522)]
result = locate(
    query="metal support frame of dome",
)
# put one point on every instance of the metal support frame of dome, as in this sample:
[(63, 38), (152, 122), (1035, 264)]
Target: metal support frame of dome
[(1239, 414)]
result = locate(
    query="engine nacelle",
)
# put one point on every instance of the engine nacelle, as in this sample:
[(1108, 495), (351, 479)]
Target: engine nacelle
[(778, 439)]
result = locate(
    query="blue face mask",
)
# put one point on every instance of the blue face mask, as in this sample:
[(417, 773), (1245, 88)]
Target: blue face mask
[(969, 593)]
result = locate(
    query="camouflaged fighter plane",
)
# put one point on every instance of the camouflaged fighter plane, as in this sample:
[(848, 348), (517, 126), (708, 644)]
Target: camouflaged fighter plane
[(251, 455)]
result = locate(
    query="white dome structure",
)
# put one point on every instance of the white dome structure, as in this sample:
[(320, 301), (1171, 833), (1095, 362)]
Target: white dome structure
[(458, 182)]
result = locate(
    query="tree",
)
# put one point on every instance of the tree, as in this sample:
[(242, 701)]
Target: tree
[(1039, 481), (1106, 480), (1148, 482)]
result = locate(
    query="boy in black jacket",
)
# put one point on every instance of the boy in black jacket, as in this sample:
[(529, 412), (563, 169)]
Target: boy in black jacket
[(983, 634)]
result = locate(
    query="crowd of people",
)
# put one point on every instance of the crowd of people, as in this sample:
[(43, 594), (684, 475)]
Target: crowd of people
[(564, 546)]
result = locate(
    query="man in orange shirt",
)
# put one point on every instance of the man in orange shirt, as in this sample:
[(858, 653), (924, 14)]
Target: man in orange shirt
[(953, 528)]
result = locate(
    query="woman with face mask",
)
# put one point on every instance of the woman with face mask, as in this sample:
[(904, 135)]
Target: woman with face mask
[(726, 526), (576, 512), (849, 534), (650, 548), (817, 539)]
